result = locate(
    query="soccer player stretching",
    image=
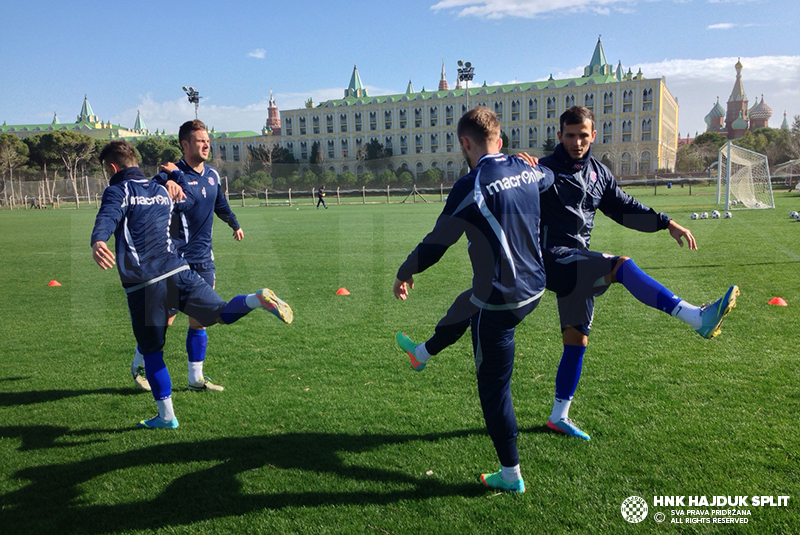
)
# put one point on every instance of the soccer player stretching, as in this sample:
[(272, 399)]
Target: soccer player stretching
[(583, 185), (497, 205), (137, 212)]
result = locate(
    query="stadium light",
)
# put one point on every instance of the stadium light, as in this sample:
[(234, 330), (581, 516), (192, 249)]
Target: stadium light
[(194, 97), (466, 72)]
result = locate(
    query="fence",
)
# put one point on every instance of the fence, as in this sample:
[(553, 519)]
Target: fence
[(60, 194)]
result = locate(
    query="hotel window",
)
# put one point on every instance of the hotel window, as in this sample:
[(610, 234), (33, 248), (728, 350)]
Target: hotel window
[(315, 124), (434, 115), (569, 101), (533, 137), (608, 132), (344, 148), (387, 145), (498, 110), (608, 102), (302, 126), (329, 123), (223, 153), (403, 118), (343, 122), (551, 108), (434, 143), (387, 120), (418, 144), (288, 126), (403, 144), (550, 134), (449, 141), (448, 115), (647, 130), (331, 149), (303, 150), (357, 121), (647, 100), (236, 153), (417, 117), (627, 128), (533, 109), (588, 101), (515, 138), (515, 110), (627, 101)]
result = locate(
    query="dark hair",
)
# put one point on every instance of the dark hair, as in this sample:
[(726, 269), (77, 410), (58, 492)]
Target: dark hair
[(120, 153), (188, 128), (479, 124), (575, 115)]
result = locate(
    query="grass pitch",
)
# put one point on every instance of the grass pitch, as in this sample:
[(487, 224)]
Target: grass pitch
[(323, 428)]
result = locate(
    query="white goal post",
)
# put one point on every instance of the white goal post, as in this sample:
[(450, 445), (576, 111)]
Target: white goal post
[(743, 179)]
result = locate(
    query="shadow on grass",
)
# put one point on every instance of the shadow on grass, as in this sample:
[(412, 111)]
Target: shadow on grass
[(10, 399), (54, 497)]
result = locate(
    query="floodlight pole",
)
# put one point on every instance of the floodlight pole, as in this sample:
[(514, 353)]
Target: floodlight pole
[(466, 72), (194, 98)]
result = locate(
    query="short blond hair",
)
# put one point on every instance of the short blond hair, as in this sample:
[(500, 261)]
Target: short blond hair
[(479, 124)]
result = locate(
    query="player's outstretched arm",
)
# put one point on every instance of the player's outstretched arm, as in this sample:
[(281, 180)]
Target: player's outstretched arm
[(102, 255), (401, 288), (679, 233)]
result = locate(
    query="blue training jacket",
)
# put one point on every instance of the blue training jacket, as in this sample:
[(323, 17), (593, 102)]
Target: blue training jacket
[(137, 212), (581, 188), (191, 228), (497, 205)]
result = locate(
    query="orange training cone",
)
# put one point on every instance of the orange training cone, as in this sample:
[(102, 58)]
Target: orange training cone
[(342, 291), (778, 301), (54, 283)]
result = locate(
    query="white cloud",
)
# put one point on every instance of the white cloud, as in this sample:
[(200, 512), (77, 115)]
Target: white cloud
[(721, 26), (495, 9), (259, 53)]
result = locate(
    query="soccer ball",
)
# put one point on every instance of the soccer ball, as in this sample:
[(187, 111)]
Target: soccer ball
[(715, 214), (693, 216), (727, 215), (793, 214), (797, 217), (703, 215)]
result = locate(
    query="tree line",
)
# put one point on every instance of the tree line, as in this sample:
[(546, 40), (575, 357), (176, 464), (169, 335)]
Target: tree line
[(778, 144)]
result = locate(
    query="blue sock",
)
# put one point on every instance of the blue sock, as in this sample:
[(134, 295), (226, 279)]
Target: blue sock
[(157, 375), (645, 288), (569, 371), (196, 343), (235, 309)]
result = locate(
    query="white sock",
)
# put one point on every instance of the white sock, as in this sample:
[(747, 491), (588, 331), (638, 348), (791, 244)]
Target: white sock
[(195, 371), (421, 352), (510, 473), (165, 410), (560, 409), (689, 313), (138, 358), (252, 301)]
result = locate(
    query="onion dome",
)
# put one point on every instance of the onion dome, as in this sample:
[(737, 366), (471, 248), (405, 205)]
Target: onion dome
[(761, 110)]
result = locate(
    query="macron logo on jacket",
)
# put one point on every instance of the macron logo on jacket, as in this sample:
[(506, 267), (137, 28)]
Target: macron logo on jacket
[(514, 181)]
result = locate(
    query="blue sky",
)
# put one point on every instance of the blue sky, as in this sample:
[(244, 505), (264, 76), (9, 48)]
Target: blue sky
[(137, 55)]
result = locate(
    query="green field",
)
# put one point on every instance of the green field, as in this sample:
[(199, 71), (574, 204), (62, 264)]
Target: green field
[(323, 427)]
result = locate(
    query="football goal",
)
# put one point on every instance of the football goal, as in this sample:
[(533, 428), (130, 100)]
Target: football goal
[(743, 178)]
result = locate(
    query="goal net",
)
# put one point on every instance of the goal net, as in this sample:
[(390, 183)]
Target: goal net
[(743, 179)]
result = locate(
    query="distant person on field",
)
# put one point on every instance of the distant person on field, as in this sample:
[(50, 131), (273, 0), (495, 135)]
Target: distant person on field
[(582, 186), (191, 232), (321, 197), (497, 206), (137, 212)]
